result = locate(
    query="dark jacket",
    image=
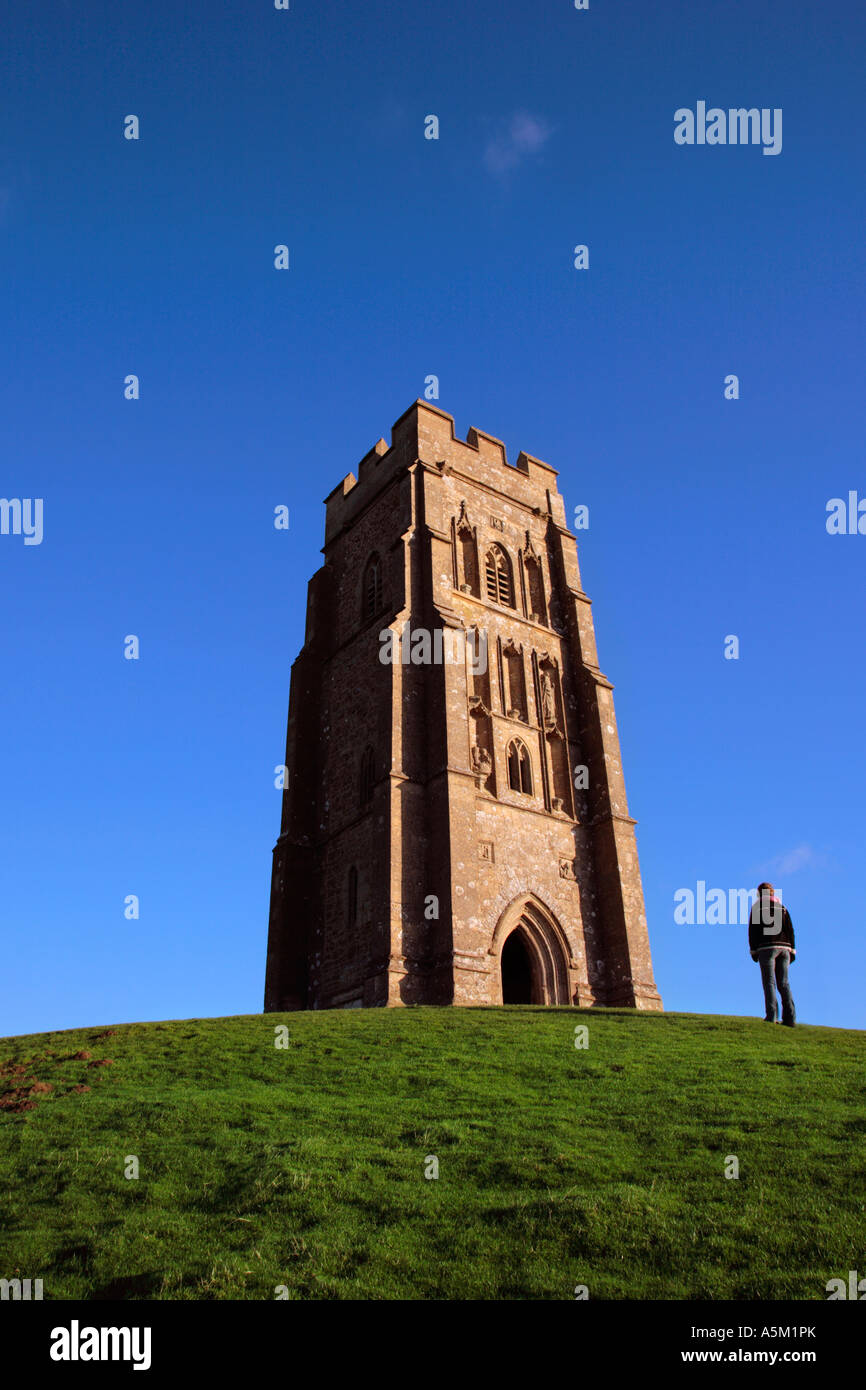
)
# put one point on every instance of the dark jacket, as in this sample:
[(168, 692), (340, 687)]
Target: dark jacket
[(773, 928)]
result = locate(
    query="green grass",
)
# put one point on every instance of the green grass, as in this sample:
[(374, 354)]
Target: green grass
[(304, 1167)]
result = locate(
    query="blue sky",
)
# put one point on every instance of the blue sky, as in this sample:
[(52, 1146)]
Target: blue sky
[(412, 257)]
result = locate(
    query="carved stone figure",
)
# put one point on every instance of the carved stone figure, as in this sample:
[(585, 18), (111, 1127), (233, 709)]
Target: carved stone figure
[(481, 764), (548, 699)]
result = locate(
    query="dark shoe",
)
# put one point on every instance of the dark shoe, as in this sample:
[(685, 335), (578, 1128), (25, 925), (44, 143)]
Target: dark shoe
[(769, 1020), (788, 1022)]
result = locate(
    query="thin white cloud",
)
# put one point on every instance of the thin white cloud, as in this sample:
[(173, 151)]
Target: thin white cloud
[(524, 137), (803, 857)]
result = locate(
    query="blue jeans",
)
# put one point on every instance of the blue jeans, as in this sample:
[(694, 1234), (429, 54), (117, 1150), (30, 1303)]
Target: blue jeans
[(774, 961)]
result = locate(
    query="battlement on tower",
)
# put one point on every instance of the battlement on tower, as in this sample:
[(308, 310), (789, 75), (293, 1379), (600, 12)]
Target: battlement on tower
[(426, 434)]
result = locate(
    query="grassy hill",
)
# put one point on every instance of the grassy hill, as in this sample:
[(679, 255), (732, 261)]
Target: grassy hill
[(305, 1166)]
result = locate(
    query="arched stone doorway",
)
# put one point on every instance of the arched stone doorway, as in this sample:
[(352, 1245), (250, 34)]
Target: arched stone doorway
[(534, 955)]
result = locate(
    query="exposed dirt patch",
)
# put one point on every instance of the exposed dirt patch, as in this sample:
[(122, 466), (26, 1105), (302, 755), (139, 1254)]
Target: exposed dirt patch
[(15, 1070), (21, 1090), (17, 1100), (20, 1086)]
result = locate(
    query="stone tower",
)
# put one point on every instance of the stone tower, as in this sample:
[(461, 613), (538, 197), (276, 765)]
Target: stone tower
[(454, 824)]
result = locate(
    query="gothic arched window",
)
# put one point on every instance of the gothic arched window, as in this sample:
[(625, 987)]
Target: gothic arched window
[(372, 588), (368, 776), (353, 896), (519, 768), (500, 586)]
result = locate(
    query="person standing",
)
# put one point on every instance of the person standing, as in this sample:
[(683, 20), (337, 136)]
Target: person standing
[(771, 943)]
